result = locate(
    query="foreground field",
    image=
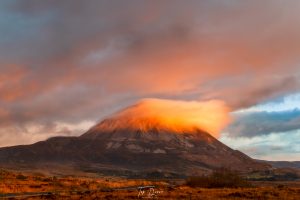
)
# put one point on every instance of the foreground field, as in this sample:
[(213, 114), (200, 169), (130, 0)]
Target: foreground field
[(38, 186)]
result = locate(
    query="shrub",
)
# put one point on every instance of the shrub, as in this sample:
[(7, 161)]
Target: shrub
[(221, 178), (21, 177)]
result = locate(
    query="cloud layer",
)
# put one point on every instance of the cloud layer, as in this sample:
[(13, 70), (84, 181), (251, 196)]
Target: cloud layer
[(277, 146), (170, 115), (64, 62), (264, 123)]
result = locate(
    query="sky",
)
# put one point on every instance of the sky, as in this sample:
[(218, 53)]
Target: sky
[(65, 65)]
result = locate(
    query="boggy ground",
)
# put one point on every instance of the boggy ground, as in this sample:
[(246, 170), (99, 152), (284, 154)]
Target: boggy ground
[(38, 186)]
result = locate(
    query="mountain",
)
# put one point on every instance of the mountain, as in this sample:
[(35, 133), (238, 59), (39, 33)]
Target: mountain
[(283, 164), (133, 146)]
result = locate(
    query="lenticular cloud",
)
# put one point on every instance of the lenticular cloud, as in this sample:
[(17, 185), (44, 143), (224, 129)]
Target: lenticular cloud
[(178, 116)]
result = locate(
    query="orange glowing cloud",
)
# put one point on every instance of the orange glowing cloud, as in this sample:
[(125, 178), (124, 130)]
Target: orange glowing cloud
[(171, 115)]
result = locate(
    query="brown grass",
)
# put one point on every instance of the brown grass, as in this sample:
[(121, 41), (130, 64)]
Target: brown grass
[(103, 188), (221, 178)]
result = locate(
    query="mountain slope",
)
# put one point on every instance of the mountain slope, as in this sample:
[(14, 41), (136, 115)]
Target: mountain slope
[(127, 142), (133, 150)]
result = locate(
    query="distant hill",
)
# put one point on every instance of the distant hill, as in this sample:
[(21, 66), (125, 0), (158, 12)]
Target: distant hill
[(282, 164)]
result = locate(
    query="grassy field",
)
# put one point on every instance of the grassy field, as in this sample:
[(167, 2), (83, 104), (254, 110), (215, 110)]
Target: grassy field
[(39, 186)]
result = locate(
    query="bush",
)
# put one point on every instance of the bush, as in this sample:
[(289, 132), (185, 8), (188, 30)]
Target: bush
[(221, 178), (21, 177)]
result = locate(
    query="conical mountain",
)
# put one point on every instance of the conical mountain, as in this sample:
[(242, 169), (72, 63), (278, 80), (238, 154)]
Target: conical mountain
[(130, 144)]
